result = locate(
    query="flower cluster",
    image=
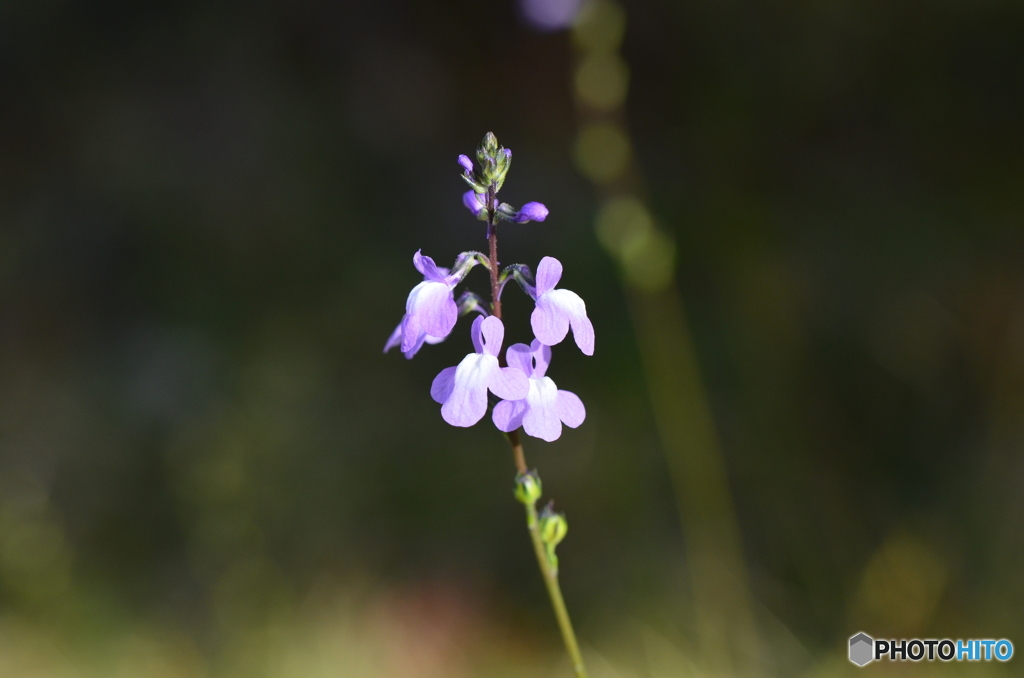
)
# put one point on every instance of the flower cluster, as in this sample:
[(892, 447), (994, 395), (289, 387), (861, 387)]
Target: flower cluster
[(528, 398)]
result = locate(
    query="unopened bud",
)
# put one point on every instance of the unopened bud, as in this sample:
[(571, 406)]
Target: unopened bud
[(476, 203), (531, 211), (553, 527), (528, 487), (489, 145), (494, 163)]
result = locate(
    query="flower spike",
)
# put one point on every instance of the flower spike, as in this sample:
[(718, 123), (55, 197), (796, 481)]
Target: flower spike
[(526, 397)]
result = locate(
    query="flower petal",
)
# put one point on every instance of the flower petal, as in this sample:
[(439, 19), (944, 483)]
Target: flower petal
[(492, 333), (467, 402), (541, 358), (541, 420), (509, 383), (427, 267), (411, 331), (520, 356), (575, 311), (570, 409), (432, 306), (583, 333), (444, 383), (466, 163), (474, 334), (549, 323), (396, 337), (417, 345), (473, 202), (418, 338), (549, 272), (508, 415)]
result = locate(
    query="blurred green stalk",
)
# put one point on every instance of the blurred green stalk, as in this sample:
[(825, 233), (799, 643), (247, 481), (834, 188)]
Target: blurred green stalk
[(544, 542)]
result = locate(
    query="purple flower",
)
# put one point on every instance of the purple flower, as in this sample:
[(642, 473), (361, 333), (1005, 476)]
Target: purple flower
[(462, 390), (556, 310), (430, 310), (466, 163), (476, 203), (545, 408), (531, 211)]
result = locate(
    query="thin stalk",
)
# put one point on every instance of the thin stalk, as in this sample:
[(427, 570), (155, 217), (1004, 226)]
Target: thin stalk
[(555, 593), (517, 451), (492, 241), (546, 570)]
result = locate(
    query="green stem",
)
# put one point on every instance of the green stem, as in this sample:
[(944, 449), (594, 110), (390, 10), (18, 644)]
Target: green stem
[(555, 593), (547, 571)]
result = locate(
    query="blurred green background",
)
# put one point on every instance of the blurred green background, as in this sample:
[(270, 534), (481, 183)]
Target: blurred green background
[(207, 218)]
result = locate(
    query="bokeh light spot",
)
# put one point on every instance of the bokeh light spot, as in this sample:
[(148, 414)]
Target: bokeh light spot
[(649, 260), (600, 27), (901, 586), (620, 220), (602, 81), (602, 151), (550, 15)]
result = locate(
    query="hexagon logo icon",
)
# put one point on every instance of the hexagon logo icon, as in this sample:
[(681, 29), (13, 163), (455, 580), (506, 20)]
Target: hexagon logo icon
[(862, 648)]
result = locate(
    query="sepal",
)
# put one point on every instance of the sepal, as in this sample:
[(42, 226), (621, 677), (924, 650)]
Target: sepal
[(506, 212), (471, 180), (469, 302), (464, 263), (522, 274)]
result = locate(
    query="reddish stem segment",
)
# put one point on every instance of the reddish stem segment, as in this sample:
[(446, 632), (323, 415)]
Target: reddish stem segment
[(492, 240), (495, 300)]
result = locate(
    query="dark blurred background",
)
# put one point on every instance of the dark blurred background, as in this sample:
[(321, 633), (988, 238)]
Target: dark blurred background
[(207, 218)]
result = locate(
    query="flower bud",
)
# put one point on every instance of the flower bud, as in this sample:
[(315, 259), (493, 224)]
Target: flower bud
[(466, 163), (489, 145), (494, 163), (532, 211), (475, 203), (553, 527), (528, 487), (464, 263)]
